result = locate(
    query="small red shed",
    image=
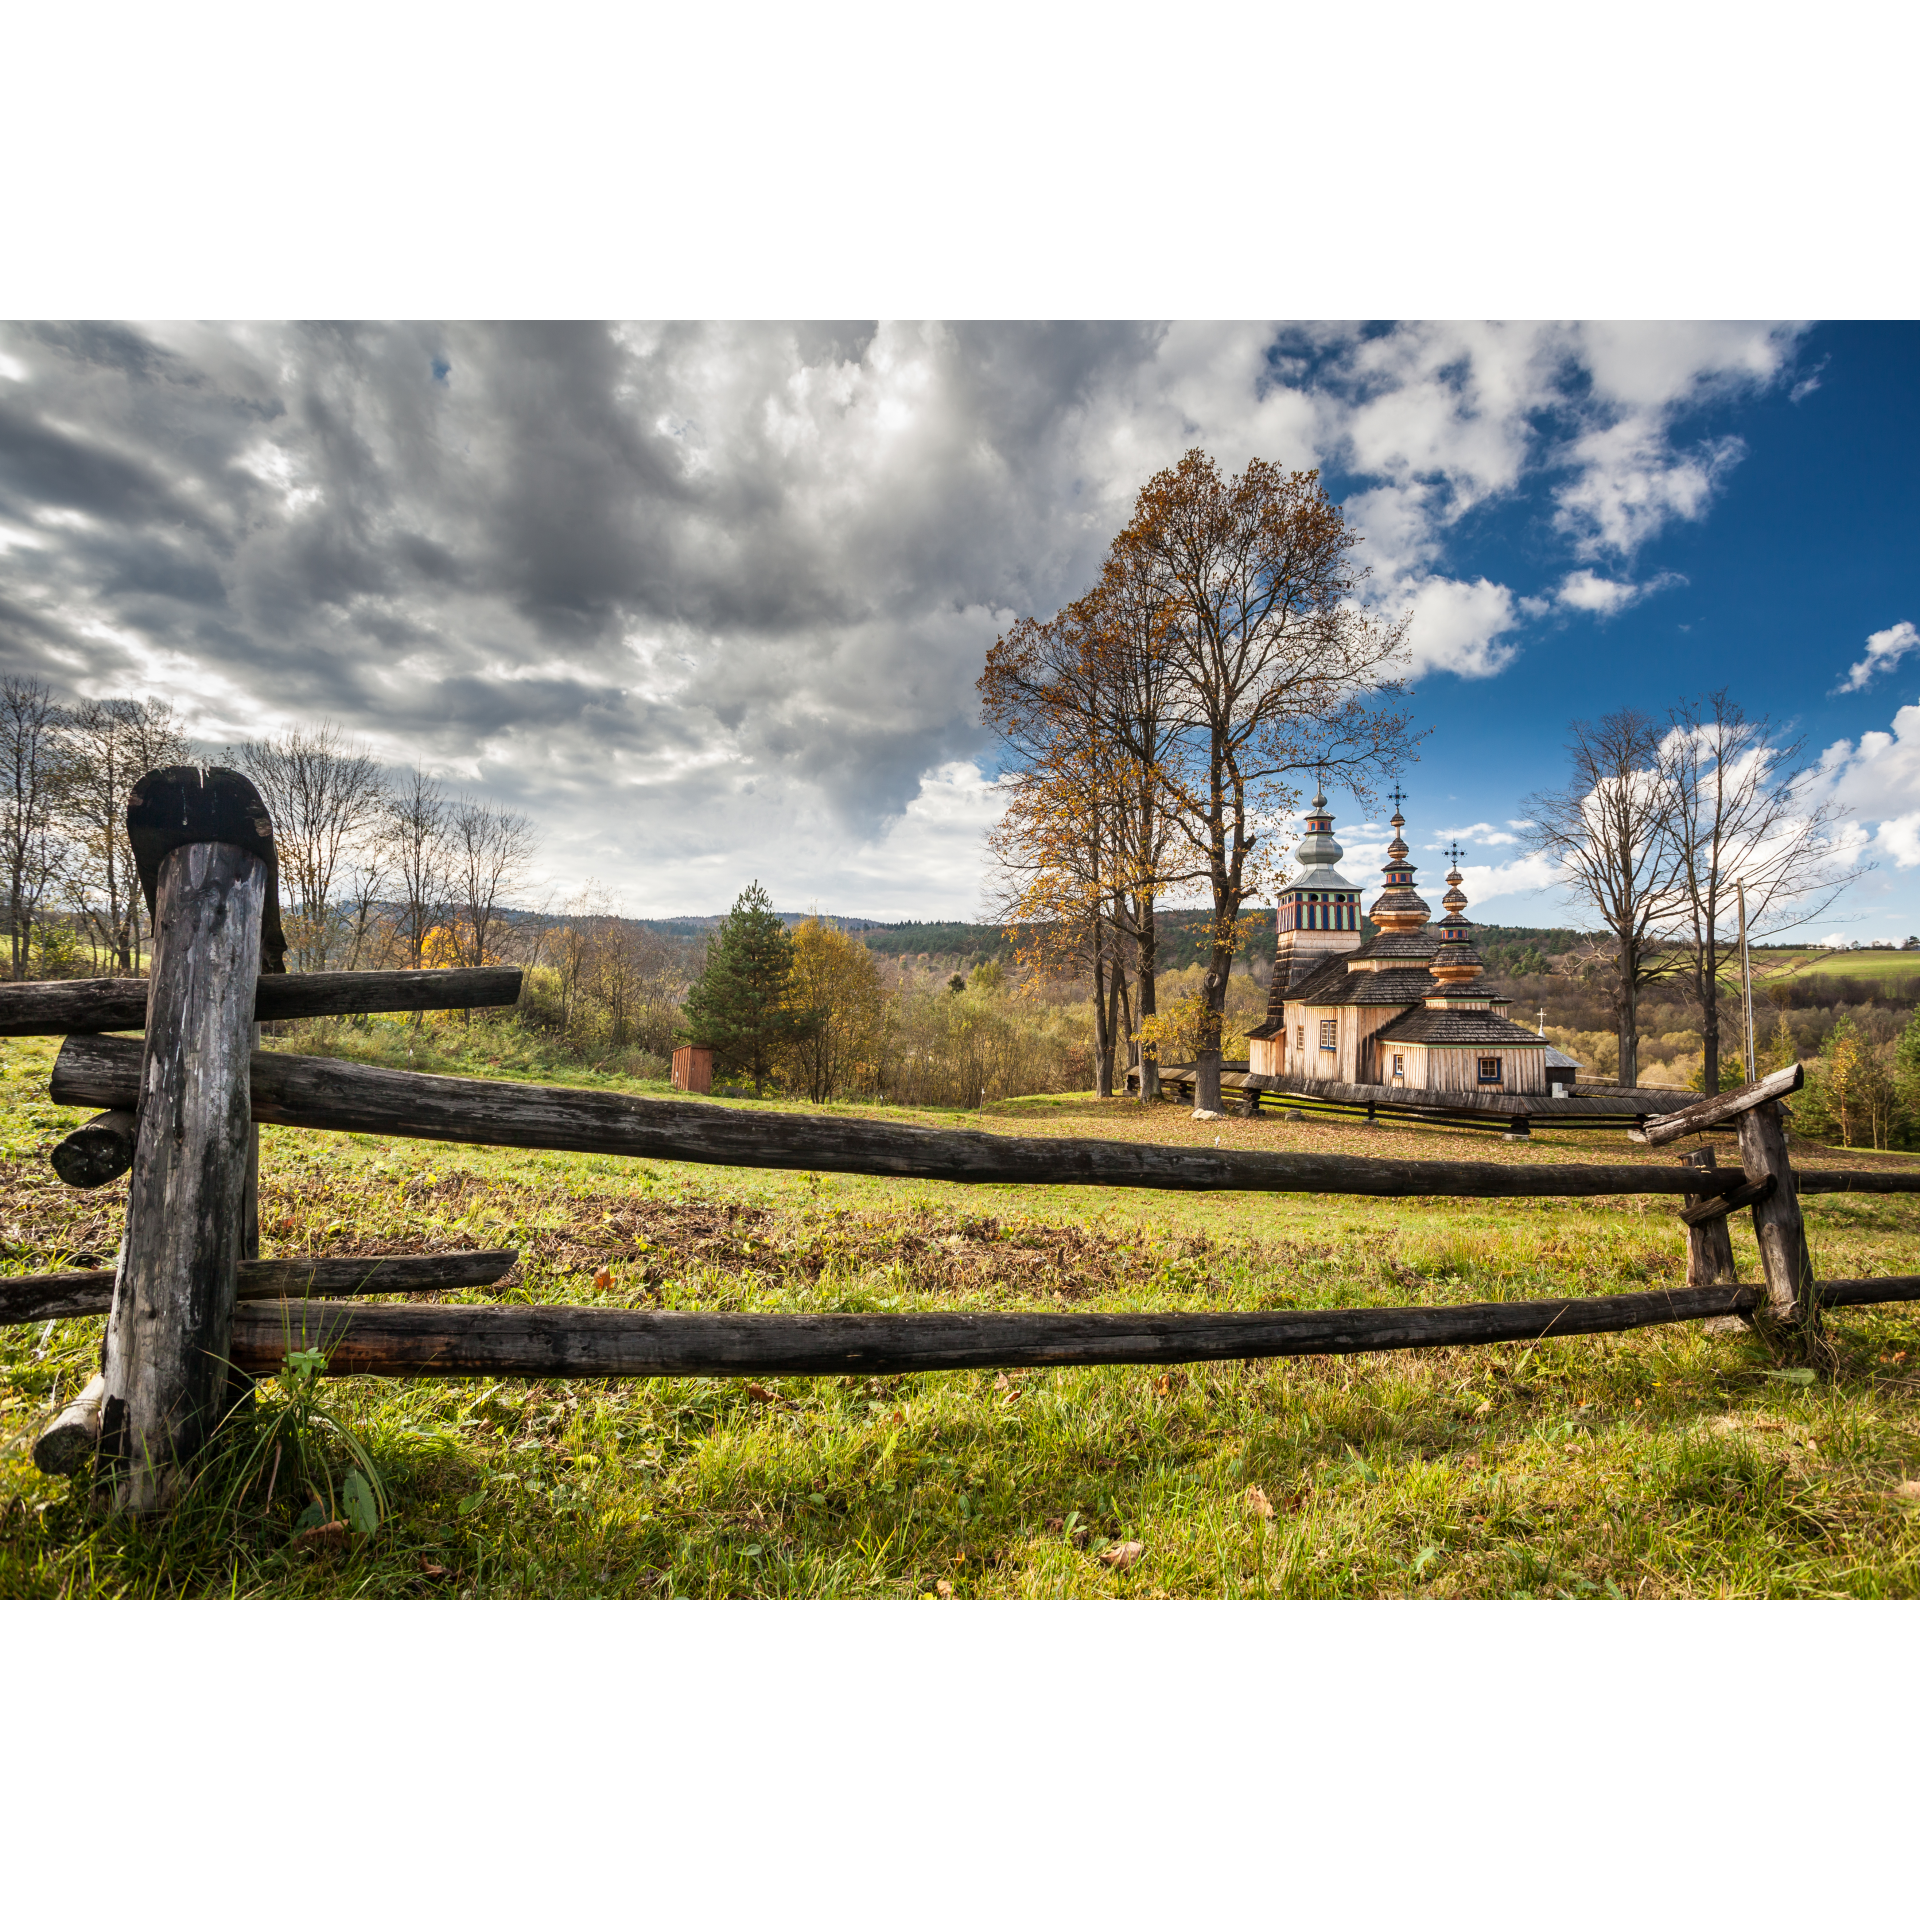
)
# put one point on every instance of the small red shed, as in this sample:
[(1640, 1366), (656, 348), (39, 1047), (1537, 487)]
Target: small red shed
[(693, 1069)]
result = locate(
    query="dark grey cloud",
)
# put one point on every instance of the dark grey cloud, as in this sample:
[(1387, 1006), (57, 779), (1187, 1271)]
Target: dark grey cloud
[(690, 592)]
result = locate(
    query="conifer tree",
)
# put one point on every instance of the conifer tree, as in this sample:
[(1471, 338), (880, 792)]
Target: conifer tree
[(739, 1006)]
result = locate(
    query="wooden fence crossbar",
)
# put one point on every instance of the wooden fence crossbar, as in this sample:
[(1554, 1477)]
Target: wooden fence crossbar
[(189, 1307)]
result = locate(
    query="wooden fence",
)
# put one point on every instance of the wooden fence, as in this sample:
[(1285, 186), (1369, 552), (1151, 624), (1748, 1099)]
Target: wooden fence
[(193, 1312)]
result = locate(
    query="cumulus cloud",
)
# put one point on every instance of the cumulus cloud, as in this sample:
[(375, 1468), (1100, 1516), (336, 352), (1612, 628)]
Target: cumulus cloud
[(709, 600), (1456, 626), (1885, 650), (1584, 591)]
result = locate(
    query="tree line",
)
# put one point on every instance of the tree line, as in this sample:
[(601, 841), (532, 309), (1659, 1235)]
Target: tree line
[(374, 869), (811, 1010)]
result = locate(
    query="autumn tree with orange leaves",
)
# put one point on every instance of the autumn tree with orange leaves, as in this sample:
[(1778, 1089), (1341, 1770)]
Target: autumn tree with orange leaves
[(1157, 724), (1277, 671)]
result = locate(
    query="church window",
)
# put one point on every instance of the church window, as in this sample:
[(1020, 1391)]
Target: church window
[(1300, 1039), (1489, 1068), (1399, 1065), (1328, 1028)]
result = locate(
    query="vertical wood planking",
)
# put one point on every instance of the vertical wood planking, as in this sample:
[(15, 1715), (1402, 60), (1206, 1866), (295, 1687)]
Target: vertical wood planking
[(168, 1334), (1777, 1222)]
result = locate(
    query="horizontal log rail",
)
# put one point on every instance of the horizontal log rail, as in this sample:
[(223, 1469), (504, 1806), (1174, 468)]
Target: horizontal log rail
[(1469, 1102), (119, 1004), (300, 1090), (76, 1291), (588, 1342)]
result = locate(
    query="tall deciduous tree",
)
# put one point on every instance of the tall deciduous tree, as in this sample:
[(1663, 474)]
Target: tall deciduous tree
[(1608, 832), (739, 1005), (1740, 809), (30, 848), (1276, 670), (326, 800)]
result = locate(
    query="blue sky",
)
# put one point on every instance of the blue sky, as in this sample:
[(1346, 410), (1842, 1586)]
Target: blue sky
[(708, 600), (1807, 543)]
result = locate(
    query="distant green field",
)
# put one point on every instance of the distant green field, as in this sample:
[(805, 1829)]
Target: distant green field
[(1869, 963)]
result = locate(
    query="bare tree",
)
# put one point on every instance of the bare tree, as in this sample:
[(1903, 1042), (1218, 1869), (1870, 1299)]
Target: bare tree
[(1740, 810), (1608, 832), (107, 745), (325, 799), (30, 766), (491, 851), (418, 852)]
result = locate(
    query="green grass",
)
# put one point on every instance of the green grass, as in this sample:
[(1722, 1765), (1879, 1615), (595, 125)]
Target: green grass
[(1868, 964), (1667, 1462)]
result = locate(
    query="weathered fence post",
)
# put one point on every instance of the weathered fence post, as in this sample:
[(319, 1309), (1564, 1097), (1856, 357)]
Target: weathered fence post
[(204, 848), (1777, 1222)]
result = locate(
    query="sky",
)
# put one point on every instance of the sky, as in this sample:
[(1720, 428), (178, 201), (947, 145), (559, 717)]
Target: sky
[(708, 601)]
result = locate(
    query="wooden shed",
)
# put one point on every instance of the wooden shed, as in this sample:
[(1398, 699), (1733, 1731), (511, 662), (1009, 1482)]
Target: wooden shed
[(693, 1069)]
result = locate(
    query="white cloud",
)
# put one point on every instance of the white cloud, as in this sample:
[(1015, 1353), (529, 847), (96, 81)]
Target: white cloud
[(1885, 650), (1632, 482), (1585, 591), (680, 590), (1456, 624), (1482, 833)]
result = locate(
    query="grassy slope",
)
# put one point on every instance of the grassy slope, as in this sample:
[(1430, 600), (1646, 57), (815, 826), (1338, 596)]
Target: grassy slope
[(1661, 1463), (1867, 964)]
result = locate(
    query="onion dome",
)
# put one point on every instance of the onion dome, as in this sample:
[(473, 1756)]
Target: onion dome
[(1455, 964), (1399, 909)]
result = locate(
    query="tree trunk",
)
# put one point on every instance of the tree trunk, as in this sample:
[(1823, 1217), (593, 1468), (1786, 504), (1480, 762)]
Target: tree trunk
[(1707, 981), (1213, 997), (1149, 1003), (1629, 1070), (1102, 1029), (166, 1359)]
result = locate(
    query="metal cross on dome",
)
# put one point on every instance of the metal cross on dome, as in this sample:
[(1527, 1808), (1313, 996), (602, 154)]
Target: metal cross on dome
[(1454, 853), (1398, 798)]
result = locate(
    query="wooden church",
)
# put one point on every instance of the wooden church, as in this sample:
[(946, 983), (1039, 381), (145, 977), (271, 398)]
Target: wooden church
[(1400, 1010)]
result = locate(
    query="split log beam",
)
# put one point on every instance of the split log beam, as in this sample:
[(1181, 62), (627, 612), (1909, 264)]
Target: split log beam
[(119, 1005), (594, 1342), (100, 1151), (78, 1291), (166, 1351), (299, 1090), (69, 1440), (1718, 1206), (1722, 1107)]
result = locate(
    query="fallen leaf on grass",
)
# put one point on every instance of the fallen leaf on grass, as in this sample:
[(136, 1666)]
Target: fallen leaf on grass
[(432, 1568), (1123, 1554), (755, 1392), (944, 1588), (1908, 1490), (330, 1533), (1258, 1504), (603, 1279)]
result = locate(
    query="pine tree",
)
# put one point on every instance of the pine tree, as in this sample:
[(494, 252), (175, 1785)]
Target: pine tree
[(739, 1005)]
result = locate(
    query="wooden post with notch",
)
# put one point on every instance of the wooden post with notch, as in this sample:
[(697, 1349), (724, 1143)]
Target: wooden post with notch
[(1777, 1222), (203, 845)]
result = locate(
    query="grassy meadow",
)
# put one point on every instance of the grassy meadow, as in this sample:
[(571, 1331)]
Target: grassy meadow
[(1669, 1462)]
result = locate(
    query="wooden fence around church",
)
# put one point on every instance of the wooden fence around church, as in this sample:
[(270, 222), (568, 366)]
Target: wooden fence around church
[(193, 1312)]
